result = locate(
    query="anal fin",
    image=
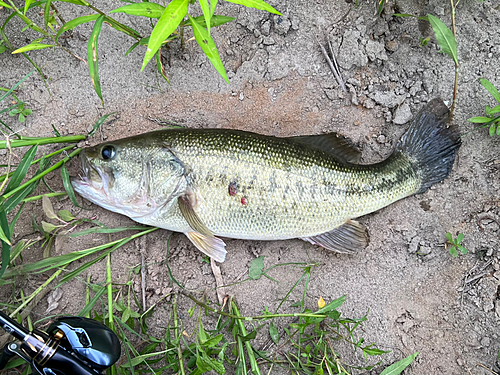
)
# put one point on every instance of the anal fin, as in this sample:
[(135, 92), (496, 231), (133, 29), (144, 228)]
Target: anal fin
[(212, 246), (350, 237)]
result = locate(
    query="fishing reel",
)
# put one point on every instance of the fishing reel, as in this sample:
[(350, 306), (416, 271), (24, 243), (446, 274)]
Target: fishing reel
[(70, 345)]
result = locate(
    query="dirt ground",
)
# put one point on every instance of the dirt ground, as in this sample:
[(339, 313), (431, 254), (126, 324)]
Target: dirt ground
[(419, 298)]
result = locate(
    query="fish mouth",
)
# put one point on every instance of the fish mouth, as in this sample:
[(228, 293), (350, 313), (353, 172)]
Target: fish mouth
[(92, 182)]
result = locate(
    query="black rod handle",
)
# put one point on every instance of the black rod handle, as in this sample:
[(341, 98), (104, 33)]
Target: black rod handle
[(12, 327)]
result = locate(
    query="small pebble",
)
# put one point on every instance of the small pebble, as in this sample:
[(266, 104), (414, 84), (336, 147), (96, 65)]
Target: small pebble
[(242, 96)]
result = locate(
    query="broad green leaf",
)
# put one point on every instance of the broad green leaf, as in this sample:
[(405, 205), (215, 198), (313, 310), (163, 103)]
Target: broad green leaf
[(463, 249), (208, 46), (398, 367), (491, 88), (460, 237), (445, 37), (212, 342), (151, 10), (495, 110), (257, 4), (251, 336), (48, 227), (449, 237), (374, 351), (92, 56), (206, 13), (273, 332), (498, 129), (48, 209), (32, 47), (21, 169), (70, 25), (479, 119), (335, 304), (170, 19), (216, 20), (256, 268), (492, 129), (66, 215)]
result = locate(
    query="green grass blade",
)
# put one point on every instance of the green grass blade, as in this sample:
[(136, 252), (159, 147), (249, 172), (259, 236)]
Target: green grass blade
[(5, 5), (151, 10), (4, 224), (168, 22), (32, 47), (206, 13), (399, 366), (159, 66), (88, 307), (76, 2), (216, 20), (98, 123), (491, 88), (21, 169), (15, 86), (257, 4), (4, 238), (109, 283), (132, 48), (70, 25), (67, 185), (444, 37), (105, 230), (208, 46), (92, 56), (46, 14), (213, 5), (28, 141), (27, 5)]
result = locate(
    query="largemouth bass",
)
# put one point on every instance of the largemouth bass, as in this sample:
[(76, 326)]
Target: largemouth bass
[(228, 183)]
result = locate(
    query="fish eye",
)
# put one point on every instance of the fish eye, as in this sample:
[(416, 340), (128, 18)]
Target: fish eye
[(108, 152)]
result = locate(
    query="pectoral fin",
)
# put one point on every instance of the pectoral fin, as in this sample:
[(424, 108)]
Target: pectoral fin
[(212, 246), (348, 238), (187, 209), (201, 236)]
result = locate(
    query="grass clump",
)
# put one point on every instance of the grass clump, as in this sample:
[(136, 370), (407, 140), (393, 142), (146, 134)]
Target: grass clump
[(492, 118), (168, 23)]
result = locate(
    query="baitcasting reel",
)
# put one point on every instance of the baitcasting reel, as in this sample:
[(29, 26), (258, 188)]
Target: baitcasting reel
[(71, 345)]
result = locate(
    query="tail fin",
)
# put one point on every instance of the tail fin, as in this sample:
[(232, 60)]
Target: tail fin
[(431, 144)]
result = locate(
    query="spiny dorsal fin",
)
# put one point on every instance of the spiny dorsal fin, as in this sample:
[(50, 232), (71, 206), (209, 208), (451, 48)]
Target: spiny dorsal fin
[(212, 246), (333, 144), (348, 238), (194, 221)]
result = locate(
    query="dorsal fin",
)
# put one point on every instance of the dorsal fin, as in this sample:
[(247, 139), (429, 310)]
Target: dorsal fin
[(331, 143)]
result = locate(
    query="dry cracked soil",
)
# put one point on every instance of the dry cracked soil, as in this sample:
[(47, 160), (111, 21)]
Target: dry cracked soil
[(419, 298)]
